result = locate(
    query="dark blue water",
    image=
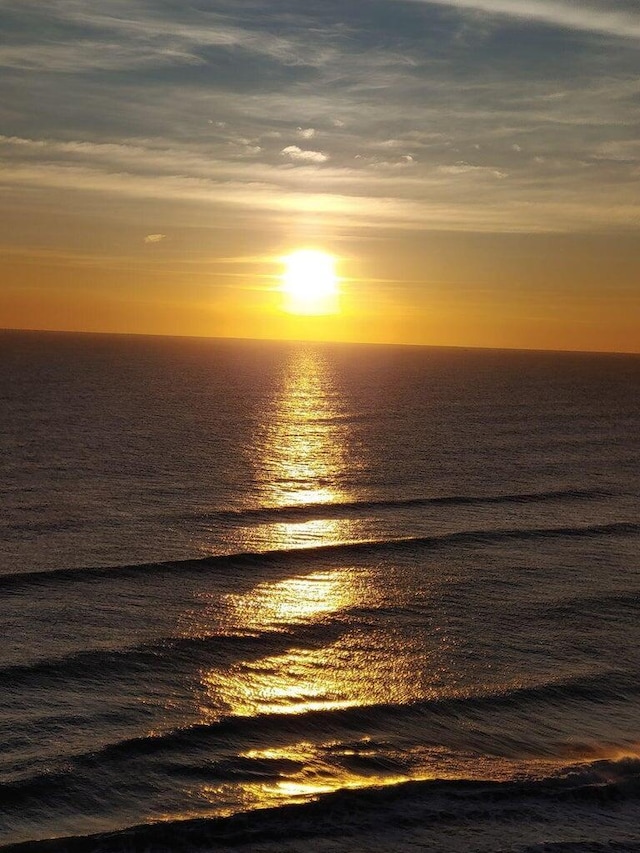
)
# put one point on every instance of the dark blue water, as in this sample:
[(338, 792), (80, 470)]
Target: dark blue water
[(307, 596)]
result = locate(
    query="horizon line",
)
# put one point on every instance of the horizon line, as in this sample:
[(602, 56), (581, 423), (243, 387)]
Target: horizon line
[(315, 341)]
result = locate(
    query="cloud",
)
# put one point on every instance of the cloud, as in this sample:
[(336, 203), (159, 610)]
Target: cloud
[(402, 162), (130, 35), (299, 155), (401, 111), (608, 18), (461, 196), (90, 55), (467, 168), (627, 150), (155, 238)]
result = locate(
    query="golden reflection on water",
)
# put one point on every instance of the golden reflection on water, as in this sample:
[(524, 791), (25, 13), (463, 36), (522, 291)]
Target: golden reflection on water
[(346, 663), (316, 531), (303, 459), (341, 675), (296, 680), (320, 651), (308, 777), (274, 605), (304, 441), (259, 795), (292, 683), (303, 789)]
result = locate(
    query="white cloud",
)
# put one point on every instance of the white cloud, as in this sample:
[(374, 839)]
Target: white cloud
[(168, 136), (85, 55), (245, 147), (155, 238), (401, 163), (457, 197), (627, 150), (298, 154), (600, 17), (134, 35), (463, 168)]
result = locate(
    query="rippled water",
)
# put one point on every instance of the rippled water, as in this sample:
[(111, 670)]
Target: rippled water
[(391, 594)]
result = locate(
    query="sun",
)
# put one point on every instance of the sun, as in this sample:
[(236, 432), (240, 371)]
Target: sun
[(310, 283)]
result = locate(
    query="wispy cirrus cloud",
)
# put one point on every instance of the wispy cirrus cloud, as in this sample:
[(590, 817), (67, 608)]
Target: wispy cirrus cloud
[(130, 35), (611, 18), (457, 196), (228, 104)]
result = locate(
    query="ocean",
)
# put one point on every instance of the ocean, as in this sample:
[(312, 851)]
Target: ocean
[(317, 597)]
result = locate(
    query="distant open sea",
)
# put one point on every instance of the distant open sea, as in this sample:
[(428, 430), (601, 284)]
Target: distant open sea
[(317, 597)]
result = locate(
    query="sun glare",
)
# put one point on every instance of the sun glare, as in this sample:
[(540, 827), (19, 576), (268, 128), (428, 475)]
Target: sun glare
[(310, 283)]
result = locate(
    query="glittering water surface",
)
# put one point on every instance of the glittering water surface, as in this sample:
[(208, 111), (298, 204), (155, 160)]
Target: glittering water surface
[(241, 575)]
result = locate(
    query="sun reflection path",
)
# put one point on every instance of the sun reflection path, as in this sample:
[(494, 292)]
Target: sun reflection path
[(299, 679), (272, 606), (305, 445), (303, 457), (313, 646), (319, 651)]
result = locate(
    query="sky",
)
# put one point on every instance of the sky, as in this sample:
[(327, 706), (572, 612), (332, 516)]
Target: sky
[(473, 166)]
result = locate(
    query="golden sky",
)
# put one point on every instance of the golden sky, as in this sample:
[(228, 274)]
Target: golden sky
[(473, 166)]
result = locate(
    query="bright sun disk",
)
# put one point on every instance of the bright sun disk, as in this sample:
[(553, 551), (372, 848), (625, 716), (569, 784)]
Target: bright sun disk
[(310, 283)]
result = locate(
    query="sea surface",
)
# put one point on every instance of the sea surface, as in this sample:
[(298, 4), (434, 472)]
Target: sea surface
[(317, 597)]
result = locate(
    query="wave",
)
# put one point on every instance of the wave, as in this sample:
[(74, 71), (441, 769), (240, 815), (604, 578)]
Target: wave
[(166, 654), (385, 717), (285, 557), (338, 509), (432, 722), (390, 811), (314, 511), (599, 605)]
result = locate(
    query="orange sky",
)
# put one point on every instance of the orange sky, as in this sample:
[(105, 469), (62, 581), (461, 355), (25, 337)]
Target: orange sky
[(531, 292)]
